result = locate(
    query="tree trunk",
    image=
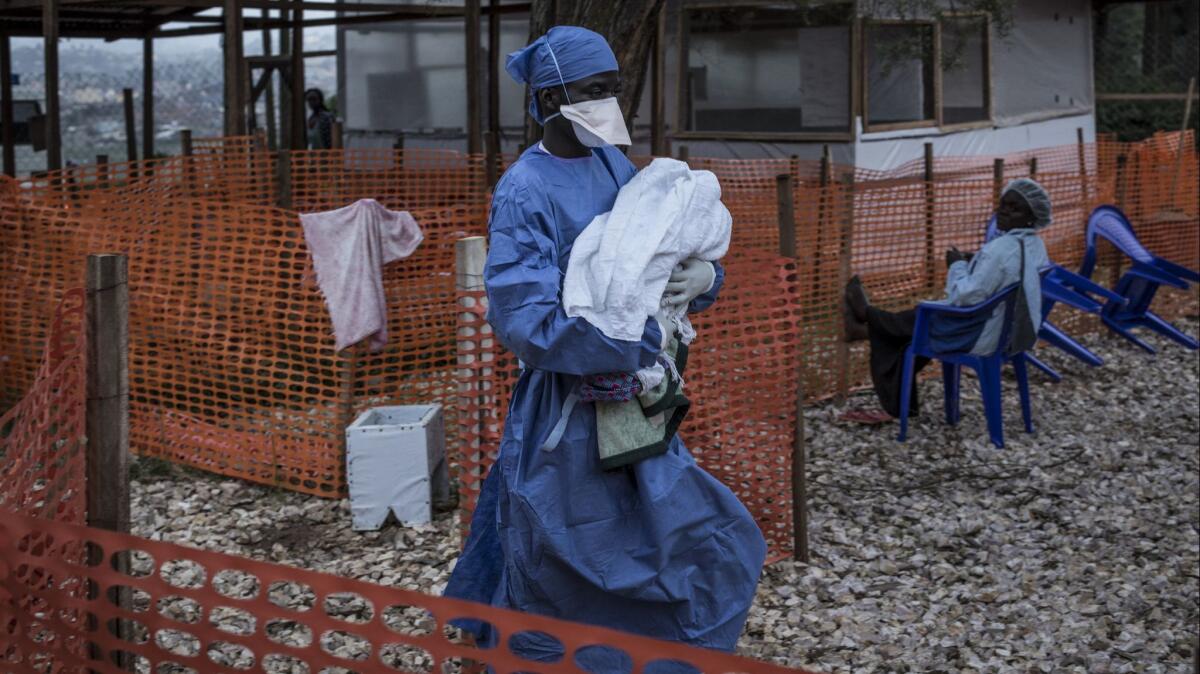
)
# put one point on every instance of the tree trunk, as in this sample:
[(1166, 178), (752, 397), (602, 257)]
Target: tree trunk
[(629, 26)]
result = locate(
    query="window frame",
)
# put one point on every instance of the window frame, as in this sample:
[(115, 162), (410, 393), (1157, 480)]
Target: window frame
[(681, 132), (934, 122), (938, 122), (989, 98)]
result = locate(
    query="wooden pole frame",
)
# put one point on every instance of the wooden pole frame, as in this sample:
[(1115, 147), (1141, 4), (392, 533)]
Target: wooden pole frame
[(786, 211), (786, 208), (1083, 168), (930, 217), (997, 180), (658, 83), (272, 137), (235, 124), (148, 97), (107, 417), (283, 175), (1187, 113), (299, 140), (7, 119), (131, 152), (494, 132), (471, 54), (286, 110), (108, 392), (50, 56), (844, 217), (470, 255), (102, 174)]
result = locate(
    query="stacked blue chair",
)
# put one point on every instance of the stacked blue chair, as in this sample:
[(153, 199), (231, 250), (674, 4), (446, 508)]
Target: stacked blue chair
[(935, 318), (1059, 284), (1139, 284)]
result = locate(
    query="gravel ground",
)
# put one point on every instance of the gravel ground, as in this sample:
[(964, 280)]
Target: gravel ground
[(1076, 549)]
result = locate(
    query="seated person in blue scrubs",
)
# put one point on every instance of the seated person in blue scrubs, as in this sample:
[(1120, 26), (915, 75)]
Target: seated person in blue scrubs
[(1024, 210)]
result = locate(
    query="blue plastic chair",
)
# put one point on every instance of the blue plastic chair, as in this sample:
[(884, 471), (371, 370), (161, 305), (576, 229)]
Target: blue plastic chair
[(1139, 284), (931, 315), (1060, 284)]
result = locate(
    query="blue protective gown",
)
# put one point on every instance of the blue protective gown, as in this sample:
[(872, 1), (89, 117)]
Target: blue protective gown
[(660, 548)]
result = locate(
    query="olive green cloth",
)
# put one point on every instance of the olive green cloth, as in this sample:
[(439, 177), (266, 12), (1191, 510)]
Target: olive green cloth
[(626, 432)]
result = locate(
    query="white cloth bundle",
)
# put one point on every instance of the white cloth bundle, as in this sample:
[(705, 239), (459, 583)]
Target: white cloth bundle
[(621, 262)]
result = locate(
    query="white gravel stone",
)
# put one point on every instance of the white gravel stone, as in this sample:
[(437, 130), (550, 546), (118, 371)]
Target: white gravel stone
[(1076, 549)]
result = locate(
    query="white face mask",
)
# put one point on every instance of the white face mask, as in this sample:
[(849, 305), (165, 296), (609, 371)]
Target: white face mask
[(597, 123)]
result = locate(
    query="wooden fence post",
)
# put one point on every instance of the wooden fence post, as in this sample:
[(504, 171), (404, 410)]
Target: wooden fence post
[(470, 255), (1187, 113), (108, 392), (338, 140), (130, 133), (1120, 181), (107, 449), (283, 174), (683, 153), (845, 255), (490, 158), (471, 30), (997, 180), (787, 248), (102, 170), (189, 171), (786, 209), (930, 253), (1083, 172), (1033, 167)]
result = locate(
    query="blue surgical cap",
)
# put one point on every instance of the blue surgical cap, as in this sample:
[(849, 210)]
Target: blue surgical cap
[(564, 54)]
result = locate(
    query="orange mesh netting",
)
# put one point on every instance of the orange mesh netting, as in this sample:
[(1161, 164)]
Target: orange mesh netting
[(158, 607), (741, 377), (233, 367), (42, 462), (236, 168), (323, 180), (228, 169)]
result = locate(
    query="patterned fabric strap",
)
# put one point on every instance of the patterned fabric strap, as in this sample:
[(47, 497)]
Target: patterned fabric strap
[(613, 387)]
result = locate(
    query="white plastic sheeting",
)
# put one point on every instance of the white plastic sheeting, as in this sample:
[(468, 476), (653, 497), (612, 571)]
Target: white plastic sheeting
[(410, 77), (887, 150), (1043, 68)]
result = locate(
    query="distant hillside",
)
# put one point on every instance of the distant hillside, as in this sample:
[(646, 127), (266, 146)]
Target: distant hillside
[(188, 92)]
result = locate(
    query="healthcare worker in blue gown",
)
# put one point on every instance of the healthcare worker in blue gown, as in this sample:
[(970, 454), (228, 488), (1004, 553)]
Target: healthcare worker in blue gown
[(659, 548)]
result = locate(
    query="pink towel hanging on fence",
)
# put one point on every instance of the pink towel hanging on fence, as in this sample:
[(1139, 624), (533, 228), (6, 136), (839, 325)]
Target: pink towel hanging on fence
[(349, 247)]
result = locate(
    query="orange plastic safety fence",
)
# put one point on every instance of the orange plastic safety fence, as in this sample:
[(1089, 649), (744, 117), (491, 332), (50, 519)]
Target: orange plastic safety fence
[(232, 363), (76, 599), (235, 169), (399, 179), (741, 379), (235, 371), (42, 461)]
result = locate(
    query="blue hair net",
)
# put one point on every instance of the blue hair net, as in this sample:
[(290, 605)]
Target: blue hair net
[(564, 54)]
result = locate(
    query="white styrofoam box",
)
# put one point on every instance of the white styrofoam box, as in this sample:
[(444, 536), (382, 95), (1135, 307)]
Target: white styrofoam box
[(396, 459)]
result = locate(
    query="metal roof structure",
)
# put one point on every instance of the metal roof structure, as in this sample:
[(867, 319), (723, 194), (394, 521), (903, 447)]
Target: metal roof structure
[(115, 19), (149, 20)]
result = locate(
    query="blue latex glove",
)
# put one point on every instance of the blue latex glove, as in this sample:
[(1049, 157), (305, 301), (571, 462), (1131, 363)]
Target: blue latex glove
[(688, 281)]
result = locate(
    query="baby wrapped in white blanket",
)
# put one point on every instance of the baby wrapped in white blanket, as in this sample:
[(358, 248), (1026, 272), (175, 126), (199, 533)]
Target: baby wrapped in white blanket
[(620, 264)]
